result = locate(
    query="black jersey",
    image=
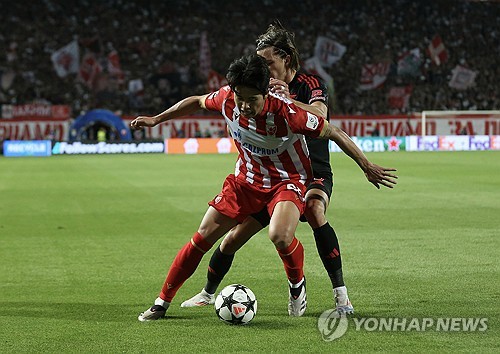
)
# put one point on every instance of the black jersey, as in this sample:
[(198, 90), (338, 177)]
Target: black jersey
[(308, 88)]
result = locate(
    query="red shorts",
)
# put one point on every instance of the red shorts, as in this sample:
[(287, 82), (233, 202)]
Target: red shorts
[(238, 200)]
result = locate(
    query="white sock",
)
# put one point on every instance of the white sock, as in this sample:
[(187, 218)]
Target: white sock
[(340, 294), (162, 303), (295, 286)]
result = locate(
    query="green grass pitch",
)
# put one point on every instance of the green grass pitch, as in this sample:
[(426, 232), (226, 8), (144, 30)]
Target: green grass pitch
[(85, 243)]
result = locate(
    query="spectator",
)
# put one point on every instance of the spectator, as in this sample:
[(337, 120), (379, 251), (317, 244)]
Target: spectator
[(162, 51)]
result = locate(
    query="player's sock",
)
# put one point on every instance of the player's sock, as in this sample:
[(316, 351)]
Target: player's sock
[(162, 303), (295, 289), (218, 267), (340, 294), (185, 263), (329, 252), (293, 261)]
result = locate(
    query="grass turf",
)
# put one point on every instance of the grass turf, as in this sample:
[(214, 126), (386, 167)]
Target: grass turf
[(85, 243)]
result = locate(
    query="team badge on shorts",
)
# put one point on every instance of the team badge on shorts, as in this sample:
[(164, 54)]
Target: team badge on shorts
[(218, 199)]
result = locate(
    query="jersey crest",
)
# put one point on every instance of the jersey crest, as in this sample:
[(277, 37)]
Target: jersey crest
[(271, 129)]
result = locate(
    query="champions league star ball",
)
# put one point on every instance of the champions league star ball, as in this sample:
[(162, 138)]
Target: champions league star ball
[(236, 304)]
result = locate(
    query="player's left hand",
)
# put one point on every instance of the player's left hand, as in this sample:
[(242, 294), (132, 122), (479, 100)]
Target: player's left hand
[(143, 121), (279, 88), (379, 175)]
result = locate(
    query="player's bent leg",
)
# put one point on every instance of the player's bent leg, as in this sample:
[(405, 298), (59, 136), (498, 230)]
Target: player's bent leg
[(239, 235), (283, 224), (316, 203), (328, 247), (281, 231), (221, 261), (214, 225)]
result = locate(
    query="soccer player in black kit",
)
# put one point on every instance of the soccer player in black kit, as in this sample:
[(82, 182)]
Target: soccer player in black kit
[(277, 46)]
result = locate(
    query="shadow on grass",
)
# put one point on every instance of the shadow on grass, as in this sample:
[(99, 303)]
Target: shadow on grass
[(79, 311), (90, 312), (268, 324)]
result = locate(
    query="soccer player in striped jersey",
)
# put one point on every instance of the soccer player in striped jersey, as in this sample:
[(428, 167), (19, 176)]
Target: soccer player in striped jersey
[(307, 91), (272, 171)]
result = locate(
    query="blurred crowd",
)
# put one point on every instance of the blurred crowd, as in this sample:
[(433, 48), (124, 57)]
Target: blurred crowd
[(158, 45)]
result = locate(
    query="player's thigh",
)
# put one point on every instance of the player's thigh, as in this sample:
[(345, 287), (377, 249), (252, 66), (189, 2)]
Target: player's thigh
[(239, 235), (283, 223), (214, 225)]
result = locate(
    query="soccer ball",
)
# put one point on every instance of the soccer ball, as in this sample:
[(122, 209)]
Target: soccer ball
[(236, 304)]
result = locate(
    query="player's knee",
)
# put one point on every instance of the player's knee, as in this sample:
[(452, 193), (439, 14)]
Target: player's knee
[(315, 212), (281, 237), (280, 243), (230, 244)]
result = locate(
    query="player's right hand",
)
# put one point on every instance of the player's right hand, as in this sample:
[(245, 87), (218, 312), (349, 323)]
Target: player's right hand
[(143, 121), (279, 87)]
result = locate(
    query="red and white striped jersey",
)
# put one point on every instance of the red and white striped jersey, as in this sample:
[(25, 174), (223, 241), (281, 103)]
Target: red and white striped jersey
[(271, 146)]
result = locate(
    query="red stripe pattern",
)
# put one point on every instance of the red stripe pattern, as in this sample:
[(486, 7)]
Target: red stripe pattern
[(271, 146)]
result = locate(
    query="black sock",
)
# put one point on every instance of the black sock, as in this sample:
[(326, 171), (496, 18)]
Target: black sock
[(329, 252), (218, 267)]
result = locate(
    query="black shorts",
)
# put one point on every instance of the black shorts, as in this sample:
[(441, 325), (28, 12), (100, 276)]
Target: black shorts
[(322, 180)]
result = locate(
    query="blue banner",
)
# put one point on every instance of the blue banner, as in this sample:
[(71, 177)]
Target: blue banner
[(16, 148)]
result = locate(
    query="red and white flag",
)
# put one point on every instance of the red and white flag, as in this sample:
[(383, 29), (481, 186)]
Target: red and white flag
[(373, 75), (437, 50), (89, 69), (313, 66), (462, 78), (328, 51), (205, 57), (66, 59), (399, 97), (215, 81), (114, 67)]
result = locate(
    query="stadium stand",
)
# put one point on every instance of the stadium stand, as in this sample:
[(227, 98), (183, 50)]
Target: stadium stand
[(158, 46)]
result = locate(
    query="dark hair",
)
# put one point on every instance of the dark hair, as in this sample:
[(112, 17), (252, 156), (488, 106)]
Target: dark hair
[(283, 42), (250, 70)]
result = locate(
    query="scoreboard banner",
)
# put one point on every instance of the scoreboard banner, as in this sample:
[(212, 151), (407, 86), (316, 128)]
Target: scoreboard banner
[(215, 127), (453, 143), (200, 146), (426, 143), (102, 148), (390, 125), (16, 148), (375, 144)]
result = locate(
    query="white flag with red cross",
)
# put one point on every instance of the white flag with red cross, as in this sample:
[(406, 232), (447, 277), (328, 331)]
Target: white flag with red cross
[(66, 59)]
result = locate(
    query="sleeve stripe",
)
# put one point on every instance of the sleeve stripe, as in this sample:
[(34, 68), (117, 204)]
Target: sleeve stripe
[(311, 81)]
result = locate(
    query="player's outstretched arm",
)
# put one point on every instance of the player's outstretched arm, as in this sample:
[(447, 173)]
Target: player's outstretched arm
[(182, 108), (375, 174)]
